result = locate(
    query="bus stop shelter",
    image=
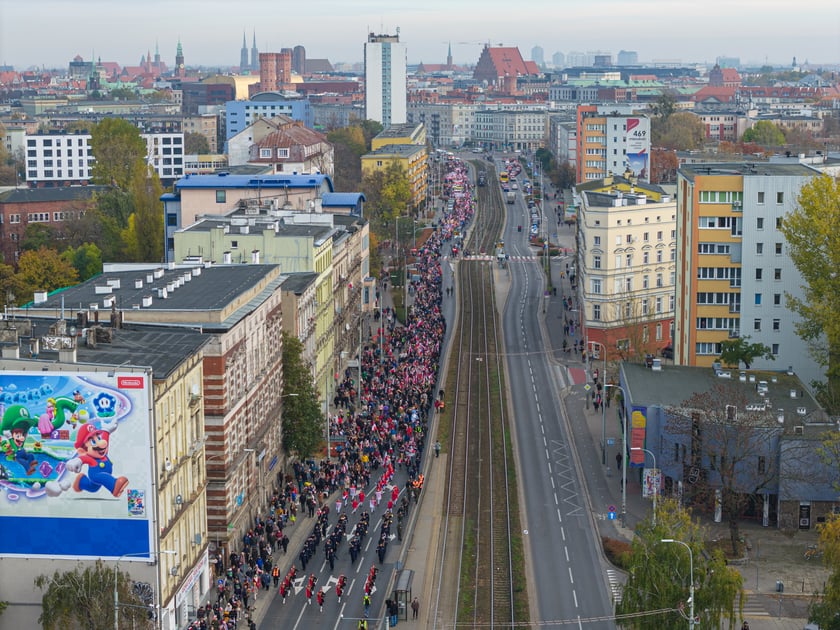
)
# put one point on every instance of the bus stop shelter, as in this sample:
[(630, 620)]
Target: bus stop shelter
[(402, 592)]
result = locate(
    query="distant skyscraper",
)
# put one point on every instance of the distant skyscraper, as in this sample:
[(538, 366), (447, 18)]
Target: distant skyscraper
[(628, 58), (243, 55), (385, 79), (558, 59), (299, 59), (449, 57), (255, 55), (537, 56)]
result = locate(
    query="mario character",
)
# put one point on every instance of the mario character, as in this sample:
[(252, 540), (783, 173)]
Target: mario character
[(17, 422), (59, 410), (92, 446)]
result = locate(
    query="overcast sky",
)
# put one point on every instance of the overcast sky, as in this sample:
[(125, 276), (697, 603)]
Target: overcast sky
[(51, 32)]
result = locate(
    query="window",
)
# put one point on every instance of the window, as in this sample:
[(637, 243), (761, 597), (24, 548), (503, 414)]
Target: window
[(172, 220), (659, 236), (672, 302), (774, 349), (265, 153), (221, 196), (777, 299), (284, 153), (646, 237), (778, 249), (234, 244), (618, 262), (645, 257), (628, 284), (618, 240), (628, 310), (777, 324), (659, 332), (673, 254), (777, 274), (778, 223), (780, 198), (659, 304), (629, 259), (597, 241), (757, 325), (659, 280), (644, 306), (645, 281), (761, 198), (596, 285), (659, 255), (645, 334), (596, 312), (596, 262), (758, 274), (759, 223), (758, 299), (759, 248)]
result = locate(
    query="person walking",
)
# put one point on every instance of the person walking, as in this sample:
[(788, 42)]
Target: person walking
[(415, 608), (437, 449)]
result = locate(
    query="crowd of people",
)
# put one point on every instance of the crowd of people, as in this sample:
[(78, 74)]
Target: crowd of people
[(380, 422)]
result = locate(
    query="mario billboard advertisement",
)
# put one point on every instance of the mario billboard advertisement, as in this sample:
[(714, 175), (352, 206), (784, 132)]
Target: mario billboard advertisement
[(75, 469)]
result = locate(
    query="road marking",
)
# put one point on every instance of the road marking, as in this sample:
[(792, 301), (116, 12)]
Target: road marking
[(571, 577), (615, 585)]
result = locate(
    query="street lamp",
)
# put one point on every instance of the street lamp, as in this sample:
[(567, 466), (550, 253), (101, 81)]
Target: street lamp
[(656, 478), (691, 579), (623, 456), (116, 574)]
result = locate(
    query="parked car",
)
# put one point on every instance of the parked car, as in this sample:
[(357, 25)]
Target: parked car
[(667, 352)]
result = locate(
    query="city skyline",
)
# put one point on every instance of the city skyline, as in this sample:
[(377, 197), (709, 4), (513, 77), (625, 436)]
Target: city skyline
[(756, 31)]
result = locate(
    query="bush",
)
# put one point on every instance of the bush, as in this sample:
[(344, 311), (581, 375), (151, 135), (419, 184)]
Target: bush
[(617, 551)]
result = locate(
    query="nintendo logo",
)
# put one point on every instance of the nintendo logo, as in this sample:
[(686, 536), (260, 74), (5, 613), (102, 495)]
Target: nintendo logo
[(130, 382)]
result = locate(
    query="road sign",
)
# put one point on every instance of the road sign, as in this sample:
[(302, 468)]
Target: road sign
[(587, 387), (611, 516), (610, 441), (611, 508)]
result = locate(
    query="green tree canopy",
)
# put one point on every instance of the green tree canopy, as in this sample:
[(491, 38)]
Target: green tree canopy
[(143, 237), (682, 131), (86, 259), (195, 143), (304, 426), (812, 232), (659, 575), (82, 598), (765, 134), (824, 609), (734, 351), (119, 151), (38, 235)]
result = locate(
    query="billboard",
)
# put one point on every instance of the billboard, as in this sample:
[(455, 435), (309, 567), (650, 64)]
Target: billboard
[(638, 146), (638, 423), (76, 476)]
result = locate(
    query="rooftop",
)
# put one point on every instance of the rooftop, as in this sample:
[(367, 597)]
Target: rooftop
[(745, 169), (675, 384), (298, 282), (227, 180), (40, 195), (402, 130), (401, 150)]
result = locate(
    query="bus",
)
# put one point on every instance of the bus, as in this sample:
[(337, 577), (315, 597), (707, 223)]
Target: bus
[(503, 177)]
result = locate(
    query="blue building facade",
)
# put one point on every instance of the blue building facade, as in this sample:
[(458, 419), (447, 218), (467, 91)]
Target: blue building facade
[(240, 114)]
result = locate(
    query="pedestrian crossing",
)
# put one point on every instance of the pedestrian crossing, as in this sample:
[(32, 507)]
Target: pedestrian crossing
[(754, 606), (482, 258), (616, 585)]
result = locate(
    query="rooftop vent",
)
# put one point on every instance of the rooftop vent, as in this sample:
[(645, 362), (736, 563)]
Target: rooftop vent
[(40, 297), (138, 283), (149, 278), (102, 289), (163, 293), (158, 273), (196, 271), (113, 283), (147, 301)]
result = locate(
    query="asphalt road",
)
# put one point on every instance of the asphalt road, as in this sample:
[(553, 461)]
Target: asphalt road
[(565, 566)]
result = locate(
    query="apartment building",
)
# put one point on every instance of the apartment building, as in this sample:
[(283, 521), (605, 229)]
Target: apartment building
[(385, 79), (611, 139), (447, 124), (733, 272), (64, 159), (412, 158), (240, 114), (510, 129), (627, 266)]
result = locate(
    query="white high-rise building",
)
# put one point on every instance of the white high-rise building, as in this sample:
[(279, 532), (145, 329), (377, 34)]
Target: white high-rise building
[(385, 79)]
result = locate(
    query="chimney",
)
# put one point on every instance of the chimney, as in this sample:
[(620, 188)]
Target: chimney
[(255, 257), (226, 258)]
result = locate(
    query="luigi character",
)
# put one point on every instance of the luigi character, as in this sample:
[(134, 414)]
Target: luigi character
[(16, 423)]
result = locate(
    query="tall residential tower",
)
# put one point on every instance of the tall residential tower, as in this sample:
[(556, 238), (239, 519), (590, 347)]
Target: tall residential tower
[(385, 79)]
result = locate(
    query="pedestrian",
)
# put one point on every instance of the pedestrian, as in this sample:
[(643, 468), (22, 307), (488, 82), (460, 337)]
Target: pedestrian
[(618, 461), (437, 449), (745, 625), (366, 603), (415, 608)]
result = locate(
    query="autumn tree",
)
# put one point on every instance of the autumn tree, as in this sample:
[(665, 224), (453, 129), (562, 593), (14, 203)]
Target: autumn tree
[(303, 420), (387, 192), (663, 166), (765, 134), (659, 575), (824, 609), (195, 143), (143, 237), (119, 151), (8, 176), (43, 270), (98, 228), (563, 175), (81, 598), (682, 131), (812, 232), (734, 351), (349, 145), (732, 451)]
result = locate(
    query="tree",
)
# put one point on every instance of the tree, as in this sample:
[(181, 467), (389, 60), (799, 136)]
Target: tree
[(195, 143), (812, 232), (303, 421), (387, 192), (43, 270), (733, 351), (563, 175), (765, 133), (85, 259), (38, 235), (824, 610), (665, 105), (663, 166), (97, 228), (119, 151), (732, 452), (659, 575), (143, 237), (349, 145), (682, 131), (81, 598)]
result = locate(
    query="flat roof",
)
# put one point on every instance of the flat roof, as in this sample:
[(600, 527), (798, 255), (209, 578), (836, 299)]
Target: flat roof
[(746, 169), (228, 180), (675, 384), (396, 149), (298, 282), (399, 130)]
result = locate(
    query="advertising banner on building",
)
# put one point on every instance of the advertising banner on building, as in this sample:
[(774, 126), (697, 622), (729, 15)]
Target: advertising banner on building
[(638, 423), (652, 480), (638, 146), (76, 466)]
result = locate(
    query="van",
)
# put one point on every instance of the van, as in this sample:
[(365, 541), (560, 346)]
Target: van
[(761, 388)]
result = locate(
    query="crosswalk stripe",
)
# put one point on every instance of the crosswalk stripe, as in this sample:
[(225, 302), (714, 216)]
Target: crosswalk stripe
[(616, 585)]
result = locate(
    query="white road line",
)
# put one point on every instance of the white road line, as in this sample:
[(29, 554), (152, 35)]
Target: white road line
[(571, 577), (566, 549), (553, 487), (574, 594)]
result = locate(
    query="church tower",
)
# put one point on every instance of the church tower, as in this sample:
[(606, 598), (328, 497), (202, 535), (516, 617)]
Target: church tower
[(157, 55), (449, 57), (243, 55), (255, 55), (180, 70)]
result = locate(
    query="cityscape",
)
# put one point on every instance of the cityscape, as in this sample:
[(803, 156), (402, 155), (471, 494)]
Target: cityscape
[(247, 344)]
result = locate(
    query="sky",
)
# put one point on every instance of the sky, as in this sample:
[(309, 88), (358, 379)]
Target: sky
[(51, 32)]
